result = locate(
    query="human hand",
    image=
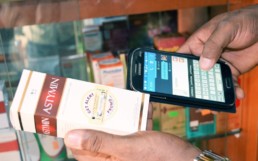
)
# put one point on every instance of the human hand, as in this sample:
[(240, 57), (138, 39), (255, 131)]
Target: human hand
[(145, 145), (233, 37)]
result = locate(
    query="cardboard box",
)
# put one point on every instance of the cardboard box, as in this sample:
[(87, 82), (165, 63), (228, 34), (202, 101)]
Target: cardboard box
[(4, 121), (112, 73), (95, 58), (92, 38), (53, 105), (9, 147)]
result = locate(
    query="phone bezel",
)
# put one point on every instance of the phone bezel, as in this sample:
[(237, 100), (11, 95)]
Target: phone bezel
[(136, 82)]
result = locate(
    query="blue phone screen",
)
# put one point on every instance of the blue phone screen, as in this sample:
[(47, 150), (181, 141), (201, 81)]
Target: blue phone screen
[(182, 77)]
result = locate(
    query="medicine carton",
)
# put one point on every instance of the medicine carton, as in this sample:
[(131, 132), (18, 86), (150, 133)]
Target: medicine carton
[(4, 121), (53, 105), (95, 59), (9, 147), (112, 73)]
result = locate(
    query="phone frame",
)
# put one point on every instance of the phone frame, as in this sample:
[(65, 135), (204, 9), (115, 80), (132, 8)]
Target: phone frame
[(136, 83)]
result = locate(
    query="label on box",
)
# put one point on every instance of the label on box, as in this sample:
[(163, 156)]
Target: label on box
[(95, 59), (112, 73)]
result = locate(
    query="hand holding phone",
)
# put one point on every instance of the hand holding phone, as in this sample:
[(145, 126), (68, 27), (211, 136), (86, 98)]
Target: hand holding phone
[(177, 79)]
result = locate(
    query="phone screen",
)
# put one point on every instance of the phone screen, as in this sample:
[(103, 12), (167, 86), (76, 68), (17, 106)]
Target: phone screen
[(182, 77)]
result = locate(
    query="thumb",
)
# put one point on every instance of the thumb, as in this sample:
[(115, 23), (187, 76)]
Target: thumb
[(95, 141), (221, 37)]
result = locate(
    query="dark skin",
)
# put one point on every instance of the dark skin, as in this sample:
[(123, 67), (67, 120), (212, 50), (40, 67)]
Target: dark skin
[(90, 145), (231, 37)]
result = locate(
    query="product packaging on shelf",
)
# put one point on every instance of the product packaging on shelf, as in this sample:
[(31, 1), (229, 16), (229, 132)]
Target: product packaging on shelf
[(9, 147), (112, 73), (92, 38), (95, 58), (53, 105), (122, 55), (4, 121)]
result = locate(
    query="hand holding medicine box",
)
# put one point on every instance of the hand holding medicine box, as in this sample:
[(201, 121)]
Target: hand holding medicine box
[(54, 105)]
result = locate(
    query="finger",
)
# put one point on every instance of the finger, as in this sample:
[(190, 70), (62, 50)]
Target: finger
[(87, 155), (195, 43), (239, 93), (238, 90), (96, 142), (192, 46), (214, 46), (77, 152), (90, 158)]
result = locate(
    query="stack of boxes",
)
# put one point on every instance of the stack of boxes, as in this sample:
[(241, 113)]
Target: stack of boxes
[(9, 147), (4, 122), (107, 69)]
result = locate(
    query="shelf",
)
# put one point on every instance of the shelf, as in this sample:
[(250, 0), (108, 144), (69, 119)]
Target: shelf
[(46, 11), (100, 8), (229, 133)]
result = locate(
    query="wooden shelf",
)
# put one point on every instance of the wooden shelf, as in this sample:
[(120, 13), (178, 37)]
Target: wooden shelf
[(46, 11), (92, 8)]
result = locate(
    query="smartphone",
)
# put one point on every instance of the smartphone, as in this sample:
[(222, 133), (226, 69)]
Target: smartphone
[(176, 78)]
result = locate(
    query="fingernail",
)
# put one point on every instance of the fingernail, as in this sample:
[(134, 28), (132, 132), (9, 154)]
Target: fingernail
[(206, 64), (73, 140)]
